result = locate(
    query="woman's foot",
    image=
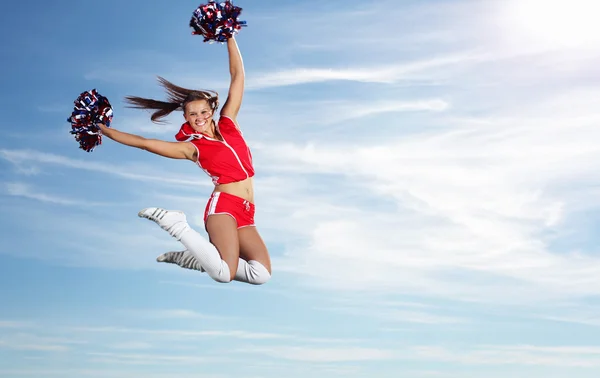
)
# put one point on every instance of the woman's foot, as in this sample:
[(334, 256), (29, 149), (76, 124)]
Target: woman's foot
[(184, 259), (174, 222)]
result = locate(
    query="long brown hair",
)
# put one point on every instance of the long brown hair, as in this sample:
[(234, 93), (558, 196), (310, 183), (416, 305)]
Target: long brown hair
[(177, 98)]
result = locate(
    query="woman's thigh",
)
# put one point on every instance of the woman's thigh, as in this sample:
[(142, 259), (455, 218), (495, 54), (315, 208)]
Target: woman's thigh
[(223, 234), (252, 246)]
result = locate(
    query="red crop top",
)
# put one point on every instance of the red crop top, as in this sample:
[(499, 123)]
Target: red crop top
[(224, 161)]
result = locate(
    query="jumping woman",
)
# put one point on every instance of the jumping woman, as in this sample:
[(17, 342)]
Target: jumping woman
[(235, 250)]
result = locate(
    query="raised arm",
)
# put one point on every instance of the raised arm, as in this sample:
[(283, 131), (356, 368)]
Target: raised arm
[(173, 150), (236, 87)]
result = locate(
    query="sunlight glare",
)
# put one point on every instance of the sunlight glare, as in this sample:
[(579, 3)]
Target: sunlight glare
[(558, 22)]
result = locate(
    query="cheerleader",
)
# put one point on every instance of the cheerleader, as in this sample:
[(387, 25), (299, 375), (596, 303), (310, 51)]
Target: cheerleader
[(235, 249)]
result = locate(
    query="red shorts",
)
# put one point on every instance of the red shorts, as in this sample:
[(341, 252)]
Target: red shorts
[(224, 203)]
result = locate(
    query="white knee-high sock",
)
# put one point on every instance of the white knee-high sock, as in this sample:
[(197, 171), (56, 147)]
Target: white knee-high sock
[(175, 223), (252, 272), (207, 255)]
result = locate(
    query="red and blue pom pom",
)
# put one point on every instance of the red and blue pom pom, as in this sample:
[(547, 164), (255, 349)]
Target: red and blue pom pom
[(91, 108), (217, 22)]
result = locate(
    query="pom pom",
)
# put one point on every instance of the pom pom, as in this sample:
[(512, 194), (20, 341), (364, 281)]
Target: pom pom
[(90, 109), (217, 22)]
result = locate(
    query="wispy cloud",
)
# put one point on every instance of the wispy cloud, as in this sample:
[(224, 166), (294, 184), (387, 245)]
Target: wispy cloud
[(475, 201), (395, 312), (313, 354), (141, 124), (175, 333), (34, 347), (207, 286), (148, 359), (331, 112), (35, 342), (101, 373), (574, 312), (405, 316), (132, 345), (14, 324), (177, 313), (370, 74), (20, 157), (173, 314), (439, 70), (570, 356), (482, 355), (155, 335), (19, 189)]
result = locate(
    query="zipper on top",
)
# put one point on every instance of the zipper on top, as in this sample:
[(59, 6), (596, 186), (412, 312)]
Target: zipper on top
[(232, 150)]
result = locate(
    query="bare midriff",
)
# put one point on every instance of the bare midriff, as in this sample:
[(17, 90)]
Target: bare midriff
[(243, 189)]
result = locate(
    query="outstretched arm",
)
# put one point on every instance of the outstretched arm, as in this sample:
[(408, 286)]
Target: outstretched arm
[(173, 150), (236, 88)]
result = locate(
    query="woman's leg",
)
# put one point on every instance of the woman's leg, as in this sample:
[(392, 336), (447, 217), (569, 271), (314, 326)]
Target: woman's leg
[(219, 258), (222, 232), (254, 264)]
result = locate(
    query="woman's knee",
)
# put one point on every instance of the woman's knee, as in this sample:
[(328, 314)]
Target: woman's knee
[(260, 274), (262, 279), (223, 279)]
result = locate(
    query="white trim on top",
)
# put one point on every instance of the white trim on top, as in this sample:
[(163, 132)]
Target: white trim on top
[(224, 141)]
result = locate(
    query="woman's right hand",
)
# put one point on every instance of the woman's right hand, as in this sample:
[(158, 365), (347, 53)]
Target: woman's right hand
[(103, 128)]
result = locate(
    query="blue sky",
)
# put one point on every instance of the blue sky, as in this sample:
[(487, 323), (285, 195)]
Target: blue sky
[(426, 182)]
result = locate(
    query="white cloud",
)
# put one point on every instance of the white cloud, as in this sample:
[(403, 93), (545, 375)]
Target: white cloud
[(387, 74), (474, 201), (178, 334), (561, 24), (209, 286), (101, 373), (34, 342), (388, 312), (477, 355), (14, 324), (132, 345), (324, 355), (339, 112), (156, 336), (177, 313), (401, 316), (174, 313), (571, 356), (147, 359), (19, 189), (141, 124), (20, 157)]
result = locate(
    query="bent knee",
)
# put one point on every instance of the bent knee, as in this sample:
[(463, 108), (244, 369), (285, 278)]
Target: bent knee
[(223, 279), (262, 279)]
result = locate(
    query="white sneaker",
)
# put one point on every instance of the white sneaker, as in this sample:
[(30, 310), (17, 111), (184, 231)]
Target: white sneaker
[(184, 259), (174, 222)]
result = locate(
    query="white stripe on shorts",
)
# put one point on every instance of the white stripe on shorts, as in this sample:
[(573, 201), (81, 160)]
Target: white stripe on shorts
[(213, 203)]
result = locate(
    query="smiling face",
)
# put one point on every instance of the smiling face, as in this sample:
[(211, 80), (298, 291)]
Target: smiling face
[(199, 114)]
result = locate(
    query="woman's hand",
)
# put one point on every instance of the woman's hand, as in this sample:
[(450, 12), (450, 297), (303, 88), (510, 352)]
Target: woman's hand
[(104, 129)]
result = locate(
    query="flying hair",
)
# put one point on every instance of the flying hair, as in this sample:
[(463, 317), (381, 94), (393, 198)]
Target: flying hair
[(177, 99)]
